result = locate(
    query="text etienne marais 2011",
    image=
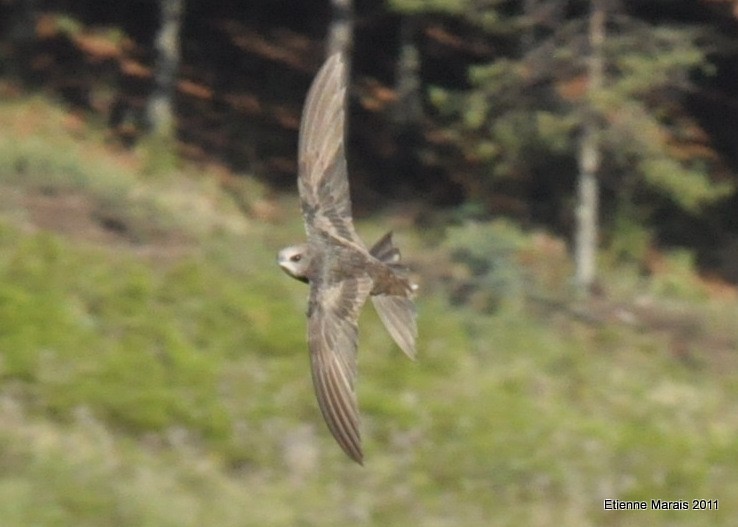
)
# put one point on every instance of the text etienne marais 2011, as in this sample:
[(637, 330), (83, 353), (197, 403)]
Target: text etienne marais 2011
[(627, 505)]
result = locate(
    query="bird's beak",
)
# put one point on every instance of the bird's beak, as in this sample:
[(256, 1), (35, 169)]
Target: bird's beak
[(282, 264)]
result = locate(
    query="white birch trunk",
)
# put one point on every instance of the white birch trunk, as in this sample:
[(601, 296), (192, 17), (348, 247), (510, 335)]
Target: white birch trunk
[(340, 32), (409, 107), (160, 106), (589, 160)]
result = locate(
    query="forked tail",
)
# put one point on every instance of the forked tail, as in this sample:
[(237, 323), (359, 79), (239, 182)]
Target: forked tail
[(397, 313)]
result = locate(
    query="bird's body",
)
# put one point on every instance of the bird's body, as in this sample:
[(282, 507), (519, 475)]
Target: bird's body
[(341, 271)]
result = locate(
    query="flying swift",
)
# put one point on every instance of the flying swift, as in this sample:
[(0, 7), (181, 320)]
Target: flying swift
[(341, 271)]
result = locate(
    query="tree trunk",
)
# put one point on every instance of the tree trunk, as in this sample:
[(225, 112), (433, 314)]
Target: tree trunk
[(340, 32), (409, 107), (589, 158), (160, 106), (341, 37)]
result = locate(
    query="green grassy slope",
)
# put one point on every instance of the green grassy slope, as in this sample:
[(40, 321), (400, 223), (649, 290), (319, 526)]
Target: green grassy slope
[(159, 376)]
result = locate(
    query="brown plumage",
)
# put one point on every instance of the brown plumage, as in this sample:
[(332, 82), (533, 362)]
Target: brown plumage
[(341, 272)]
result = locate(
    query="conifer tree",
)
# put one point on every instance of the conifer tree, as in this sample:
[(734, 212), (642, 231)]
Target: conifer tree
[(580, 86)]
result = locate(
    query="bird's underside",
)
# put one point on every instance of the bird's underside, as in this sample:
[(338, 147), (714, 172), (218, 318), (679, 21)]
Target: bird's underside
[(341, 272)]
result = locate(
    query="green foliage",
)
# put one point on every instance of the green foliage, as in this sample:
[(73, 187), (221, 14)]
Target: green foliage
[(51, 160), (630, 239), (481, 13), (455, 7), (647, 59), (68, 25), (520, 121), (501, 414), (496, 267), (135, 391), (490, 276), (159, 153), (689, 187), (90, 339), (641, 141), (678, 278)]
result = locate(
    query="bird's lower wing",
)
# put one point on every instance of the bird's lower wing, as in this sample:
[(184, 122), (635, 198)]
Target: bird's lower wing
[(332, 337)]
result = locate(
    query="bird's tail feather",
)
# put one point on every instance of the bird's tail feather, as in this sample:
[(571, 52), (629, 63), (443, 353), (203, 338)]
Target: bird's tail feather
[(385, 251), (397, 313)]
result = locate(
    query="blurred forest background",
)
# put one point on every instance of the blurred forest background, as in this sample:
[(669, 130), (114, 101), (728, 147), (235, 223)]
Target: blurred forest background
[(562, 177)]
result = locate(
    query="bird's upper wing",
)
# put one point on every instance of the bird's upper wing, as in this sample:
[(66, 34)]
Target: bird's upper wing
[(323, 181), (333, 314)]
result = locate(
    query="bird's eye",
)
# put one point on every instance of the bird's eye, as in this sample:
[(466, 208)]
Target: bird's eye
[(296, 258)]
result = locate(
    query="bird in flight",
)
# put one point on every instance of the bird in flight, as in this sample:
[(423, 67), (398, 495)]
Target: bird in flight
[(341, 271)]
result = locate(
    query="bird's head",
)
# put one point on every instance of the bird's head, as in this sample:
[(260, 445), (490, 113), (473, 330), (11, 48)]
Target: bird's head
[(295, 260)]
